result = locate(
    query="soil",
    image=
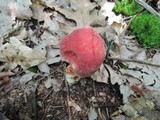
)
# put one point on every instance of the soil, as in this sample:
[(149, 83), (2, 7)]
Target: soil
[(34, 101)]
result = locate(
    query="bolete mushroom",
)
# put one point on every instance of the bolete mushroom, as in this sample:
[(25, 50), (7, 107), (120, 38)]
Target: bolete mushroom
[(85, 50)]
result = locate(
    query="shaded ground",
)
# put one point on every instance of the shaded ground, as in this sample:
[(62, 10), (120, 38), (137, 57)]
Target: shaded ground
[(46, 104)]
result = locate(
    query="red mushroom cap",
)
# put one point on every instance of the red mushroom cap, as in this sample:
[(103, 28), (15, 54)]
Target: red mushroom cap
[(84, 49)]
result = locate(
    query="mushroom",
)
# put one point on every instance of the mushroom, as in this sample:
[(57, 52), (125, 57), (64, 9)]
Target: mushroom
[(85, 50)]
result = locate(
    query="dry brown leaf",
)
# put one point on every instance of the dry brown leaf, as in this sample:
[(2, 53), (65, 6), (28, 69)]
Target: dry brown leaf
[(54, 83), (119, 27), (74, 104), (156, 58), (38, 12), (149, 75), (107, 10), (15, 53), (154, 96), (92, 114), (124, 81), (20, 9), (81, 14), (112, 36), (43, 67), (26, 77), (140, 109), (101, 75), (53, 56), (7, 23)]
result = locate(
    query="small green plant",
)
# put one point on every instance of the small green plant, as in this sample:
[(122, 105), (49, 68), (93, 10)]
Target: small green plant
[(126, 7), (33, 69), (146, 27)]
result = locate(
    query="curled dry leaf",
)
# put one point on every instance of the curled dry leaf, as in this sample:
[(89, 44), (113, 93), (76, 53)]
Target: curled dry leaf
[(55, 83), (50, 39), (15, 53), (92, 115), (156, 59), (26, 77), (53, 53), (124, 81), (20, 9), (42, 16), (101, 75), (140, 108), (112, 41), (43, 67), (53, 56), (119, 27), (50, 24), (38, 12), (41, 48), (107, 11), (74, 104), (81, 16), (11, 10), (5, 20), (154, 96), (149, 75), (22, 34)]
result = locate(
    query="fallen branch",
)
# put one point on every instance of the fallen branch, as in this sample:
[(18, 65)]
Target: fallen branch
[(137, 61), (147, 7)]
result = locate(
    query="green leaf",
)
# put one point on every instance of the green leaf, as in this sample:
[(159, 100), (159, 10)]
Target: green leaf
[(33, 69)]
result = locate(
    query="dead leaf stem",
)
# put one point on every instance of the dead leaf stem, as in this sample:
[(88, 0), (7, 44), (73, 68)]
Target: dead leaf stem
[(147, 7), (9, 73), (136, 61)]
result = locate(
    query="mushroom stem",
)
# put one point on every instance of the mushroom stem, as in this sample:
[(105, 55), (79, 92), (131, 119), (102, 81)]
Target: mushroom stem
[(70, 75)]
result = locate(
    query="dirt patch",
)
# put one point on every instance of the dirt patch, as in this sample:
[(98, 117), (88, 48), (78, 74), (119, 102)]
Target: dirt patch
[(46, 104)]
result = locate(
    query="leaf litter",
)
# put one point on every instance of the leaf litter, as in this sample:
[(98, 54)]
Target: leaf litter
[(30, 36)]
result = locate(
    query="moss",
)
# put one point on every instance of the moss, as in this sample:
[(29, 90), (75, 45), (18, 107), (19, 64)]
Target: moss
[(126, 7), (146, 27)]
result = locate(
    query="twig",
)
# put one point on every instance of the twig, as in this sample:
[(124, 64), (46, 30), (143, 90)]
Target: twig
[(69, 108), (94, 89), (3, 117), (50, 92), (58, 107), (137, 61), (68, 98), (9, 73), (147, 7)]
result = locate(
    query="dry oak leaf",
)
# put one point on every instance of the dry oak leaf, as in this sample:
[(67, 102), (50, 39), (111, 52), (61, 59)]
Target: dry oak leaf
[(16, 53), (82, 12)]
